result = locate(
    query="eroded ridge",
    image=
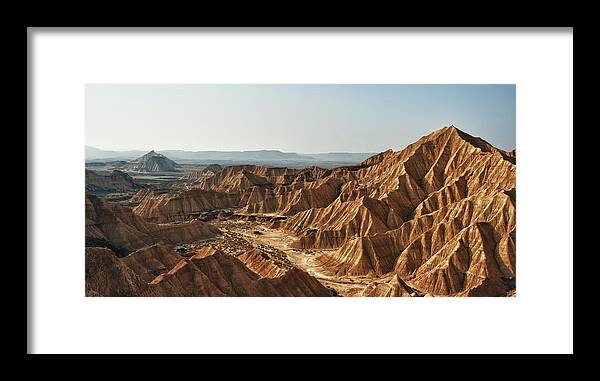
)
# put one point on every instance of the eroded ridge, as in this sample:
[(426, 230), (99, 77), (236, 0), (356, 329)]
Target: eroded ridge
[(437, 218)]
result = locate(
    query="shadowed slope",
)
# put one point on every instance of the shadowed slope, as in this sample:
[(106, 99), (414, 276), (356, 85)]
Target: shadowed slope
[(212, 273), (122, 230), (440, 213)]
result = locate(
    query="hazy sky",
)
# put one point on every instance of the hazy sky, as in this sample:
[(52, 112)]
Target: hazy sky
[(292, 118)]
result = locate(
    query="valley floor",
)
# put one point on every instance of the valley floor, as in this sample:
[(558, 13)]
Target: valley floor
[(240, 236)]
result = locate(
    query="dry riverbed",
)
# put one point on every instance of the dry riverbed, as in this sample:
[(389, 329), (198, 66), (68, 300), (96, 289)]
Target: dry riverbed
[(240, 236)]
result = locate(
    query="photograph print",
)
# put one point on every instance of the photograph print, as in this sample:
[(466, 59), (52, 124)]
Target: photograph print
[(383, 190)]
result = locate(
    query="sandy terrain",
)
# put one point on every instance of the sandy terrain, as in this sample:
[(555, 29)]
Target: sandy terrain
[(240, 236)]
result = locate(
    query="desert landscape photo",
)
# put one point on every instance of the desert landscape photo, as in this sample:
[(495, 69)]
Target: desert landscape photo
[(300, 190)]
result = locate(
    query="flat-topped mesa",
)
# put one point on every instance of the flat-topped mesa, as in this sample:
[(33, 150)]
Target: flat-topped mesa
[(152, 162)]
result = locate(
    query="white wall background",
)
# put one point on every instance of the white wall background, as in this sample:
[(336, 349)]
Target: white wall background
[(540, 319)]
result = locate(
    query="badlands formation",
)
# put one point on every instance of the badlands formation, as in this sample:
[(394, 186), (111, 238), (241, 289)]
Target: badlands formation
[(434, 219), (116, 181), (152, 162)]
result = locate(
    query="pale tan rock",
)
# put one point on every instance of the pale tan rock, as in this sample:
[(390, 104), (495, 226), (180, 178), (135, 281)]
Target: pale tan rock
[(183, 206), (116, 181), (116, 226), (212, 273), (151, 261), (437, 218), (262, 264), (440, 214), (140, 196), (106, 275)]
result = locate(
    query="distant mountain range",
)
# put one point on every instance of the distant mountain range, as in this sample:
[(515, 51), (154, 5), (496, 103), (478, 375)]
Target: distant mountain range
[(93, 154), (96, 154)]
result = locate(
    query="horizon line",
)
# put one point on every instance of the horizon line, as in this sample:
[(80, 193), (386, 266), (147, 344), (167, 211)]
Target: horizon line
[(230, 150)]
